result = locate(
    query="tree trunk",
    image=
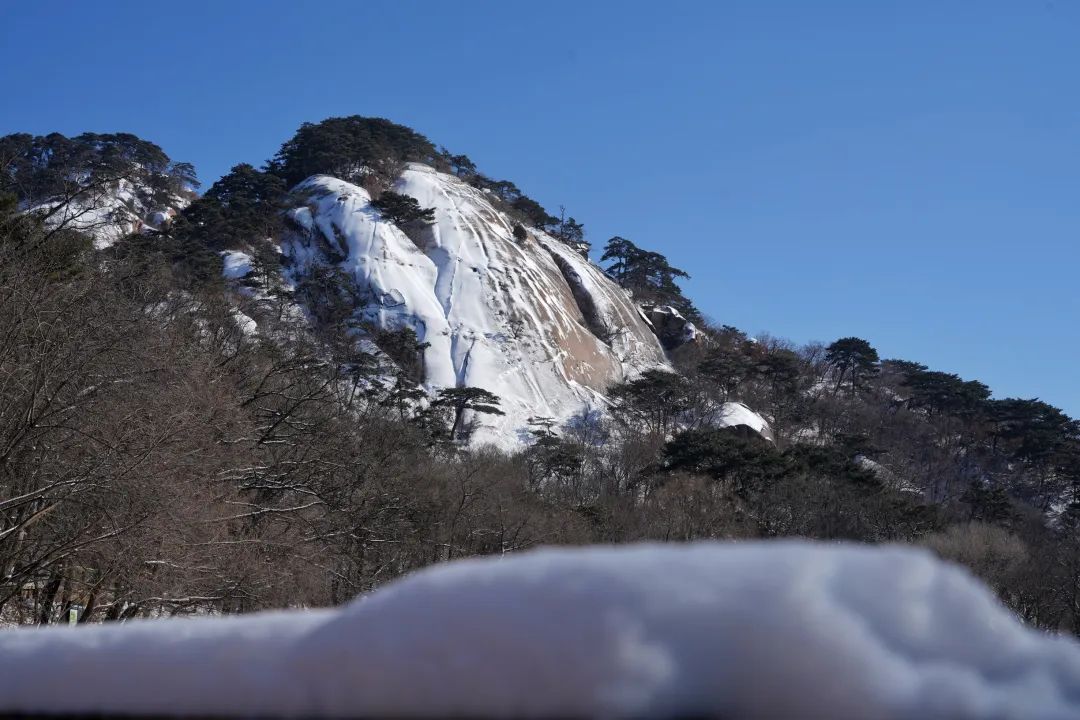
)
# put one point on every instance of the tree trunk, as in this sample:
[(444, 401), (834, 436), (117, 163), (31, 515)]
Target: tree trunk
[(52, 589)]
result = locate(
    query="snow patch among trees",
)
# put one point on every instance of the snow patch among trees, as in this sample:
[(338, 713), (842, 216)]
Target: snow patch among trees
[(235, 264), (111, 213), (734, 414)]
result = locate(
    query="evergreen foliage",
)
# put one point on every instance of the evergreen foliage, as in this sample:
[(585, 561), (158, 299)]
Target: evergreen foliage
[(402, 209), (853, 359), (460, 400), (36, 169), (350, 148), (241, 208), (653, 400), (570, 231), (533, 212), (939, 392), (461, 165), (723, 454), (551, 459), (648, 275), (404, 350)]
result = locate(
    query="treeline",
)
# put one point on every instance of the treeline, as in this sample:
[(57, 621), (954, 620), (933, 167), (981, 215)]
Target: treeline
[(53, 168), (372, 152), (56, 172)]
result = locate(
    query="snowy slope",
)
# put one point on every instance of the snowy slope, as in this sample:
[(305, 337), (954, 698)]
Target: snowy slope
[(752, 630), (113, 212), (531, 321)]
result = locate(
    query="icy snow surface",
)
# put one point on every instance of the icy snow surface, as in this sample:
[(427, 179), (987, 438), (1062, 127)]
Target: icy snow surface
[(761, 630), (531, 321)]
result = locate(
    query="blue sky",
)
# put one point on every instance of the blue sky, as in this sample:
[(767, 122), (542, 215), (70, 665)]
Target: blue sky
[(905, 172)]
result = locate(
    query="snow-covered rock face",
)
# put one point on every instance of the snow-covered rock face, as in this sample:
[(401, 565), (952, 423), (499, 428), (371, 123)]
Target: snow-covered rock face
[(747, 630), (531, 321), (110, 214)]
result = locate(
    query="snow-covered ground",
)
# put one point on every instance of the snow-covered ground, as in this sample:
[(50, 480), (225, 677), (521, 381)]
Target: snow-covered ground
[(754, 630), (531, 321)]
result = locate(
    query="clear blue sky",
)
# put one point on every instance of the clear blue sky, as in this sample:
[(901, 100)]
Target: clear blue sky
[(907, 172)]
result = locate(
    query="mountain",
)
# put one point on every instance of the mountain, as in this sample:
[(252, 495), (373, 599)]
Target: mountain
[(514, 311), (528, 318)]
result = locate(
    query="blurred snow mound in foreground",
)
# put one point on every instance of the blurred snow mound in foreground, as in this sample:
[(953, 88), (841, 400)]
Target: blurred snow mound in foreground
[(785, 629)]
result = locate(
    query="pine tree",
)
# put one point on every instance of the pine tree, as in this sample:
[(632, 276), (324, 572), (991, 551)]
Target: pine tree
[(853, 358), (462, 166), (241, 208), (402, 209), (550, 457), (945, 393), (655, 399), (533, 212), (39, 169), (648, 275), (724, 453), (462, 399), (350, 148), (570, 231), (987, 504)]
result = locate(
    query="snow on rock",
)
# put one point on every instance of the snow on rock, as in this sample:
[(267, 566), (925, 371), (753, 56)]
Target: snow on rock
[(235, 264), (752, 630), (113, 212), (532, 321), (245, 323), (159, 219), (734, 414), (670, 326), (887, 476)]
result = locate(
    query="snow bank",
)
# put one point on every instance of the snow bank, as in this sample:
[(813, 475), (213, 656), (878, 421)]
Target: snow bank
[(235, 264), (759, 630), (732, 414), (497, 313)]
